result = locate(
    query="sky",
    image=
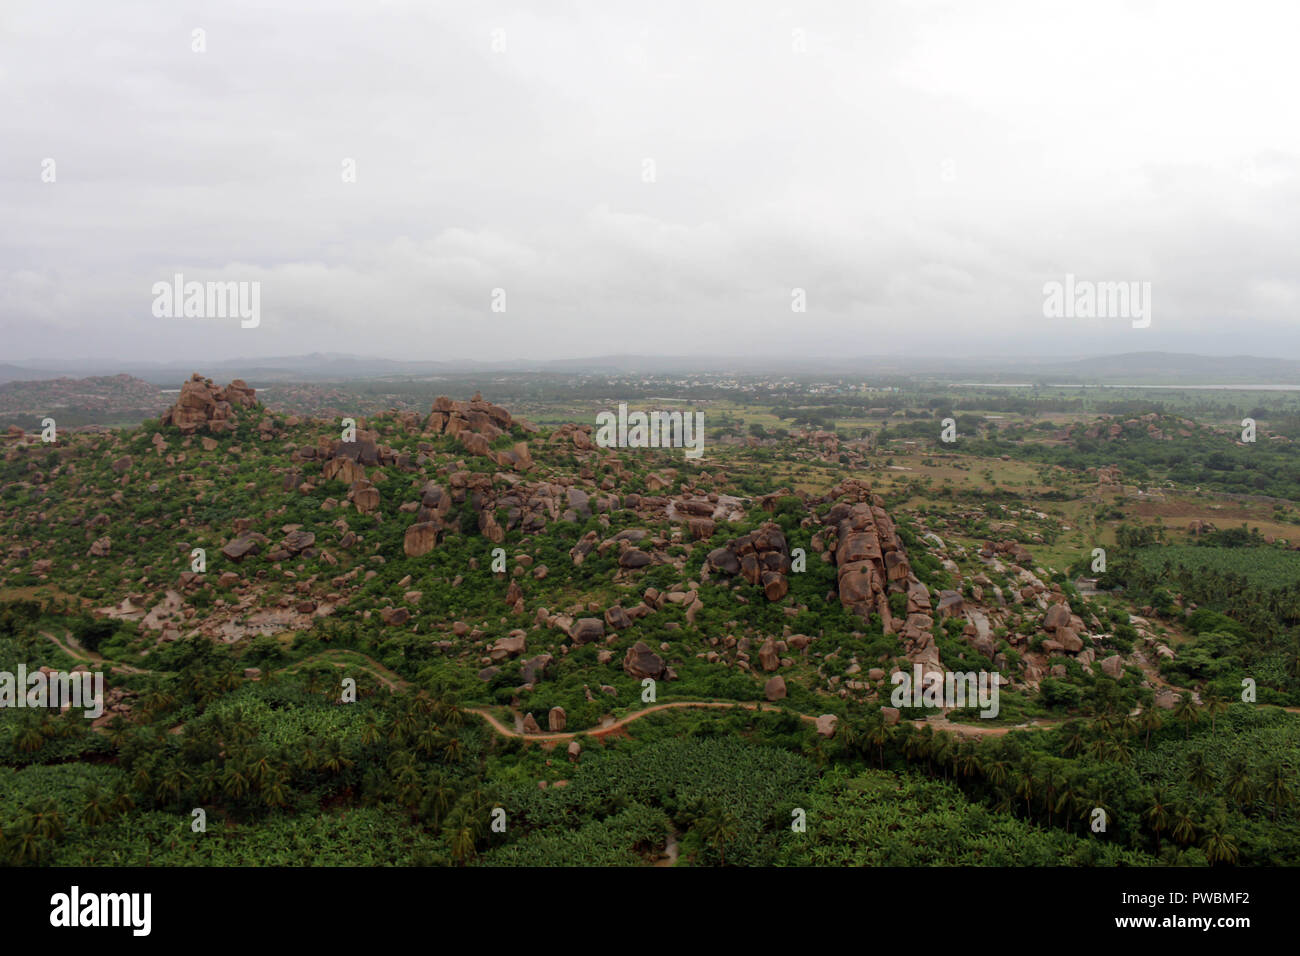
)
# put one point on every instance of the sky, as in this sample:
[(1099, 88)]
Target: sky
[(661, 178)]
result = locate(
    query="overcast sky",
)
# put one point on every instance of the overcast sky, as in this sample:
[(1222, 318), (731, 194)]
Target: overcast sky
[(920, 169)]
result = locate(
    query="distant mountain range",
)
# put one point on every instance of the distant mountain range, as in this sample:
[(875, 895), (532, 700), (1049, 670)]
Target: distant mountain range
[(1165, 368)]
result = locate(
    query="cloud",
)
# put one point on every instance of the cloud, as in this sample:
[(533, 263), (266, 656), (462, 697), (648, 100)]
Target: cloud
[(920, 170)]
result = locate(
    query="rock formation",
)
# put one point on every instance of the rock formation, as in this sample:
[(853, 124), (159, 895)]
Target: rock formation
[(204, 405)]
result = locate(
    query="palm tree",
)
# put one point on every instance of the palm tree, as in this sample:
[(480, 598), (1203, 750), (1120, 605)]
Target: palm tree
[(880, 734), (1068, 802), (997, 772), (1240, 786), (1214, 706), (1220, 847), (427, 740), (122, 802), (1051, 787), (850, 736), (1184, 826), (461, 839), (719, 827), (275, 793), (27, 846), (1026, 789), (29, 739), (1187, 712), (1276, 789), (916, 746), (438, 797), (1075, 741), (1150, 721), (96, 810), (235, 781), (47, 821), (1156, 815), (173, 783), (1199, 775), (334, 759)]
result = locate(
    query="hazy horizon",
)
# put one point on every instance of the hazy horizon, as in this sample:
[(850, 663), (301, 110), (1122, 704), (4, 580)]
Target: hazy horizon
[(657, 181)]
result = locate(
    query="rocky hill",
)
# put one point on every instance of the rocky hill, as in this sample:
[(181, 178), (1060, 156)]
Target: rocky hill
[(540, 568)]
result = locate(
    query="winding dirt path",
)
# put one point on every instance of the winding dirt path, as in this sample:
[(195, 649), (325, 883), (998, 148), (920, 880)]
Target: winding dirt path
[(395, 683), (938, 722)]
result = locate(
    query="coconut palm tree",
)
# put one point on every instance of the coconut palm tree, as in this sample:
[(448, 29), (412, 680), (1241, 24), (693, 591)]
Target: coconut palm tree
[(97, 807), (997, 772), (1184, 830), (29, 738), (47, 820), (1214, 706), (1199, 775), (25, 843), (719, 827), (1240, 785), (235, 781), (1027, 789), (173, 782), (1187, 713), (428, 740), (878, 735), (461, 841), (1075, 741), (1157, 815), (439, 797), (1150, 721), (276, 791), (1220, 847), (1276, 788), (850, 736)]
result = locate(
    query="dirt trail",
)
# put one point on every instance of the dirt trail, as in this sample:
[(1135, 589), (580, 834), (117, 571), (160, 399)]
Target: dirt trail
[(395, 683), (613, 725), (938, 723), (371, 666), (79, 653)]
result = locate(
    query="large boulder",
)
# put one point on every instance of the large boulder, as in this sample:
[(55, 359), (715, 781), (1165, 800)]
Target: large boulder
[(725, 560), (510, 646), (774, 689), (420, 539), (203, 405), (633, 558), (240, 548), (298, 541), (586, 630), (641, 662), (1058, 615)]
